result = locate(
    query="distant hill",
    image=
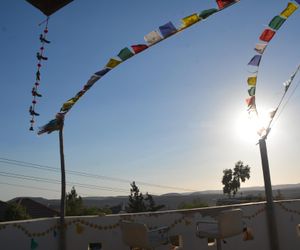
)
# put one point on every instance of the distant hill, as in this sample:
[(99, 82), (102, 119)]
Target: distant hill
[(173, 200)]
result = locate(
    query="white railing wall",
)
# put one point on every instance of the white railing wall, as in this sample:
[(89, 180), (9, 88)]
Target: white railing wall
[(43, 234)]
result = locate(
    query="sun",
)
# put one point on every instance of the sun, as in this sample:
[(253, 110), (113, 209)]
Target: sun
[(246, 128)]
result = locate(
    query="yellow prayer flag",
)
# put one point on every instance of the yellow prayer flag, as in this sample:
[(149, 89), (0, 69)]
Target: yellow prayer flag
[(252, 80), (190, 20), (113, 63), (289, 10)]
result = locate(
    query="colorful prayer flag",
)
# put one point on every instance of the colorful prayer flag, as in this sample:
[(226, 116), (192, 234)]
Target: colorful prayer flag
[(225, 3), (91, 81), (68, 104), (272, 113), (33, 244), (112, 63), (167, 29), (139, 48), (251, 91), (289, 10), (260, 47), (267, 35), (276, 22), (102, 72), (250, 101), (152, 37), (252, 80), (255, 61), (190, 20), (206, 13), (51, 126), (125, 54)]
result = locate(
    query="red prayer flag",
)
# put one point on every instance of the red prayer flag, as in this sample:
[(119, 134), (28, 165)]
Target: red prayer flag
[(250, 101), (139, 48), (223, 3), (267, 35)]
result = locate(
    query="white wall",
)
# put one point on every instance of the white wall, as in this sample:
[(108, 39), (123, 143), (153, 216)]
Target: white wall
[(84, 230)]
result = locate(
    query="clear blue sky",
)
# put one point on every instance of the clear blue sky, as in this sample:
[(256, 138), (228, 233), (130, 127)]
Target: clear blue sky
[(167, 116)]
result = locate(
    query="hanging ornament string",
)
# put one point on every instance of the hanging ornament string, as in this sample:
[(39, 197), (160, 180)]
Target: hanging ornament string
[(40, 55)]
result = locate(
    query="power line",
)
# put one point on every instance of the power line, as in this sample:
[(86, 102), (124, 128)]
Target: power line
[(86, 174), (52, 181), (35, 188)]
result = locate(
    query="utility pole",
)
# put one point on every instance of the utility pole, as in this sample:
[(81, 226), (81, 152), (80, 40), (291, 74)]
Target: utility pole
[(62, 238), (271, 219)]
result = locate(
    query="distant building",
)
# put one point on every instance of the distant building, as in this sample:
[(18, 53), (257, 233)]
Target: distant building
[(35, 209), (3, 207)]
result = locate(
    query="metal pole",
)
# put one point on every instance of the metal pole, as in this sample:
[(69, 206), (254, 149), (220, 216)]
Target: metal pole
[(62, 240), (271, 219)]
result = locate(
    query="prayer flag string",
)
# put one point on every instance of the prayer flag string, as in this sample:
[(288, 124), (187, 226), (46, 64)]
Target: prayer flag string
[(265, 38), (164, 31)]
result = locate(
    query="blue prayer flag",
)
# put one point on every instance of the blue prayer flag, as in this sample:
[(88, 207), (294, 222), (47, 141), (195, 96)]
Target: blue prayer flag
[(167, 29), (255, 61)]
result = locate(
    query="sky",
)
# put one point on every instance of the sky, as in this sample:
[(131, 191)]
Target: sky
[(171, 118)]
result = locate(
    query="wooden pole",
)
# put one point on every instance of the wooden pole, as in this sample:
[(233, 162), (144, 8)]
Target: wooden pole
[(62, 240), (271, 219)]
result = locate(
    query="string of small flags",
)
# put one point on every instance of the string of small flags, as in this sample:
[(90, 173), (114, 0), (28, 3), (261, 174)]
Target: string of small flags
[(154, 37), (264, 40), (40, 56)]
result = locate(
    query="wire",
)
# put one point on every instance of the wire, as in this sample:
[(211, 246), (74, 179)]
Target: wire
[(290, 80), (86, 174), (52, 181), (35, 188), (287, 101)]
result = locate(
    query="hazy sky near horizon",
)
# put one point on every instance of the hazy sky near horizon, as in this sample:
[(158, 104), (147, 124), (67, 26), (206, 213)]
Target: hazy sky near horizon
[(168, 116)]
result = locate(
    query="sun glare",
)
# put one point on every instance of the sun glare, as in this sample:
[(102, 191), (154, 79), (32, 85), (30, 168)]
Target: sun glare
[(246, 128)]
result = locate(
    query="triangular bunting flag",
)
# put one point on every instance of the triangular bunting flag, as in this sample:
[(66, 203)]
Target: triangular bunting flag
[(255, 61)]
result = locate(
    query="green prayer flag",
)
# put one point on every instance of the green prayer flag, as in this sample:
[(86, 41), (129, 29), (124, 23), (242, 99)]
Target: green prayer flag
[(276, 22), (251, 91), (206, 13), (125, 54), (33, 244)]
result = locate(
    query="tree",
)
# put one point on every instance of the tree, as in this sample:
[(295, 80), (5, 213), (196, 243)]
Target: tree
[(74, 205), (196, 203), (232, 178), (15, 211), (138, 203), (136, 200), (151, 206)]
